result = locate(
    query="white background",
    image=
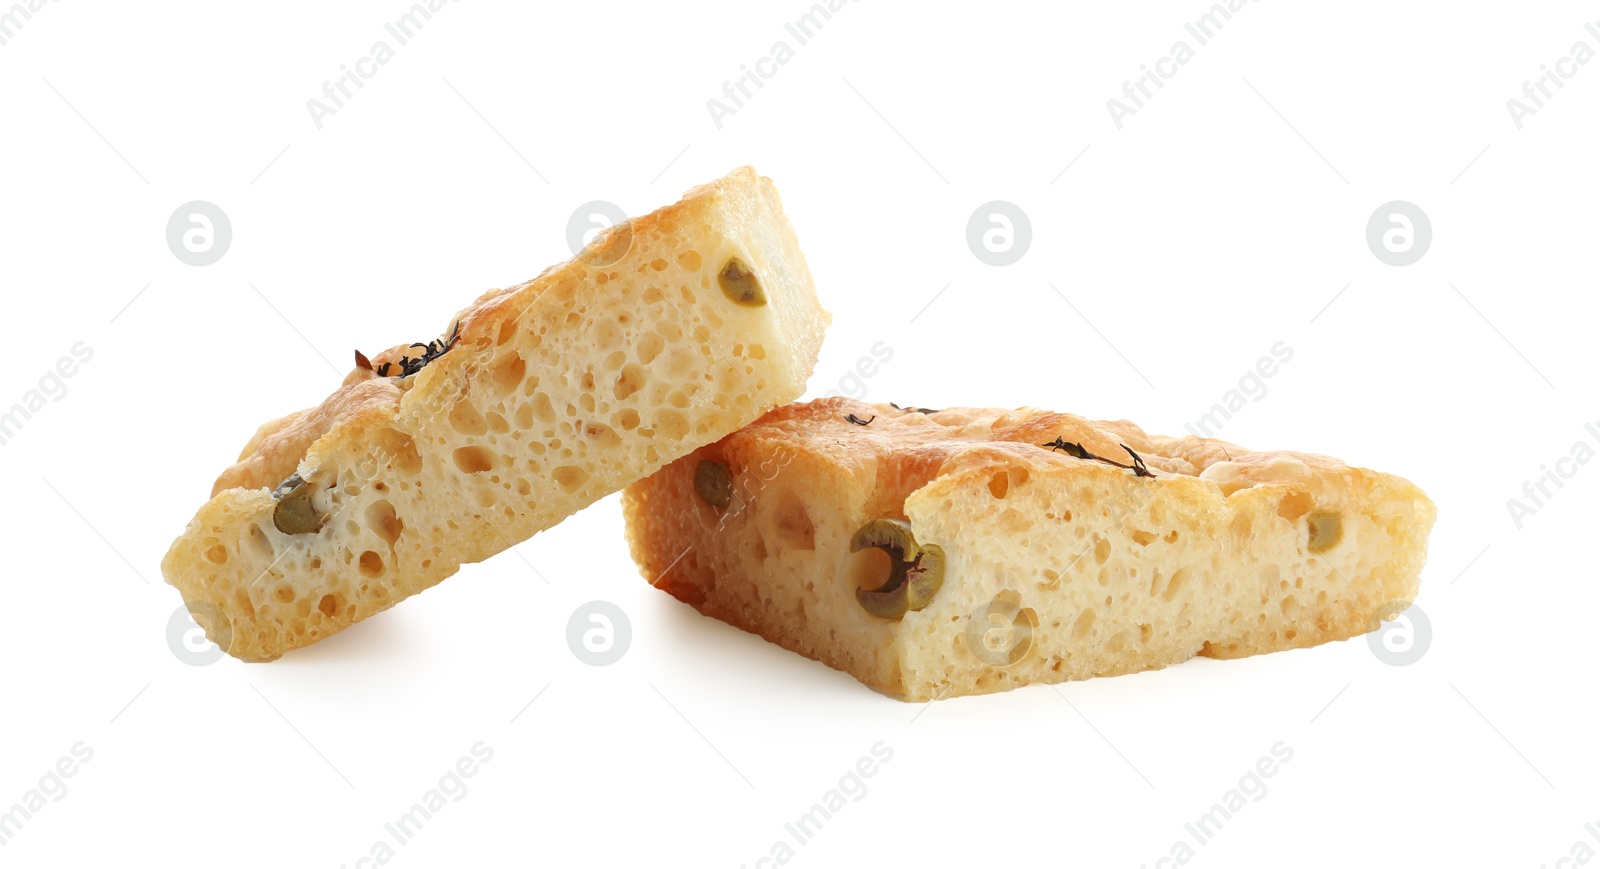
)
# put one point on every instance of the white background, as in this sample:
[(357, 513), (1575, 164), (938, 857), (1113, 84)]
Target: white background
[(1224, 217)]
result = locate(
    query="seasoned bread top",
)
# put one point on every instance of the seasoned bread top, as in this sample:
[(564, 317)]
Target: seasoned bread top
[(907, 448)]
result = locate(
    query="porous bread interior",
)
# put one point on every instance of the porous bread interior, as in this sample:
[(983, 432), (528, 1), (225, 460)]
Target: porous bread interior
[(1112, 573), (559, 391)]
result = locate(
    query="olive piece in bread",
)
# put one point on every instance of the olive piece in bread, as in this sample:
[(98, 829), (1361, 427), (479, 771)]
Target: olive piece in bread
[(915, 572)]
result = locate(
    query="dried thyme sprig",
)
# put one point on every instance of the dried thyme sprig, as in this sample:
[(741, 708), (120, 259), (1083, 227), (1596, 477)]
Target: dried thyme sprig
[(1077, 451), (410, 365)]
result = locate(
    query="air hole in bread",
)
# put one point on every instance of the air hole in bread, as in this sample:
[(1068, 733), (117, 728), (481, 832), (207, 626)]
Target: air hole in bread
[(506, 374), (1051, 579), (1175, 584), (602, 436), (570, 477), (371, 564), (1084, 626), (473, 459), (631, 381), (402, 450), (649, 347), (793, 527), (508, 329), (257, 540), (1294, 505), (466, 419), (382, 520), (999, 485), (544, 409)]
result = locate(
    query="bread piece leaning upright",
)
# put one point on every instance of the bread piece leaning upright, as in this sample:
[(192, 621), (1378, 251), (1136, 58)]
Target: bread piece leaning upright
[(938, 553), (666, 333)]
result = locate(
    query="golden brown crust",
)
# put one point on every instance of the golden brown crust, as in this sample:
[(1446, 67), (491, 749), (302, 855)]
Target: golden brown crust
[(277, 448)]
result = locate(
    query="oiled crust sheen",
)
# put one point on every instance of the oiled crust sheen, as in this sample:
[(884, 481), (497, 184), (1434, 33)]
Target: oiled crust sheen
[(556, 392), (1213, 560)]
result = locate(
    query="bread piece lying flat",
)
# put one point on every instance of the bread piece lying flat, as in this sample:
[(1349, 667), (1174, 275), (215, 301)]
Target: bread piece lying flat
[(668, 332), (932, 554)]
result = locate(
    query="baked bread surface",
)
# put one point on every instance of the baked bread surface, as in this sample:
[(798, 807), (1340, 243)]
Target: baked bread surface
[(1055, 567), (552, 394)]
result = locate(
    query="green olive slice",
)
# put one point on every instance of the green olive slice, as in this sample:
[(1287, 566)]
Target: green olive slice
[(739, 284), (295, 513), (916, 572), (1327, 529), (713, 483)]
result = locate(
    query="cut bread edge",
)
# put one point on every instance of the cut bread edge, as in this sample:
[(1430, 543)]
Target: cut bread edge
[(624, 358), (1251, 589)]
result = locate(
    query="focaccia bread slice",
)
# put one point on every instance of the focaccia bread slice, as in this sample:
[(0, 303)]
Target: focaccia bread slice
[(938, 553), (666, 333)]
